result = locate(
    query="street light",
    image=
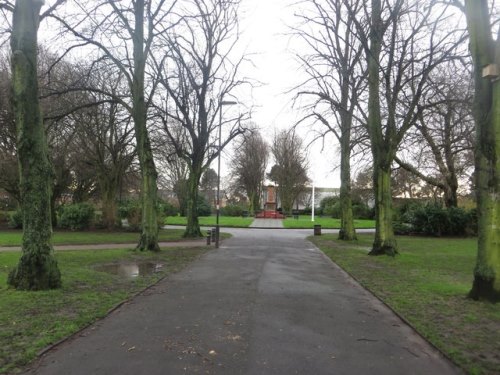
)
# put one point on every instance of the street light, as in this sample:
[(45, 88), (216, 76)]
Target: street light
[(217, 227)]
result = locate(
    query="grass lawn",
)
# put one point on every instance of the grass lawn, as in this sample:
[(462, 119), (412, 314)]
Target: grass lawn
[(225, 221), (304, 221), (13, 237), (29, 321), (427, 284)]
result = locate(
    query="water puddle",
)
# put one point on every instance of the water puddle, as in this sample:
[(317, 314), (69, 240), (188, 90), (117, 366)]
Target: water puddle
[(131, 270)]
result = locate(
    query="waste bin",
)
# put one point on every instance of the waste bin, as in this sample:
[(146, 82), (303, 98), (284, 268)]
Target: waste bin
[(317, 230)]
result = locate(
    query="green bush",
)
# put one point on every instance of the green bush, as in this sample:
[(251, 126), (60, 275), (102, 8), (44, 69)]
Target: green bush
[(168, 209), (77, 216), (328, 202), (434, 220), (232, 210), (333, 210), (402, 228), (362, 211), (131, 210), (16, 219), (204, 208)]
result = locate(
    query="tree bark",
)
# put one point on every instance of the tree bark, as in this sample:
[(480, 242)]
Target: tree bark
[(37, 269), (347, 231), (486, 283), (385, 242), (109, 210), (193, 224), (149, 235)]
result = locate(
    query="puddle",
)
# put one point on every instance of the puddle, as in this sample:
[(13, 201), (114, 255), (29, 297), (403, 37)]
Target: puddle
[(131, 270)]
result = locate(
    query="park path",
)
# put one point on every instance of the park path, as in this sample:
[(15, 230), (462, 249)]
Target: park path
[(266, 223), (265, 302)]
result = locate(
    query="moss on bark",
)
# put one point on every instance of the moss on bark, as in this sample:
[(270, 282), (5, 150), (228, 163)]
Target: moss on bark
[(193, 225), (149, 193), (37, 268), (487, 117), (385, 241)]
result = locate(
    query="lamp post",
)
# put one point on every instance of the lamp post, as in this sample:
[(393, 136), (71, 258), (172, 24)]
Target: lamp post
[(217, 227)]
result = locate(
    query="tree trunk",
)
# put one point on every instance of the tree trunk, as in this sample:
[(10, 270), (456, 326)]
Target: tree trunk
[(385, 242), (347, 231), (109, 209), (450, 194), (193, 225), (486, 283), (251, 202), (37, 268), (149, 235)]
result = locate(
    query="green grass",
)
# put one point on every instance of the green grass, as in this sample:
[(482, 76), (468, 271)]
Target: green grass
[(225, 221), (427, 284), (29, 321), (13, 237), (304, 221)]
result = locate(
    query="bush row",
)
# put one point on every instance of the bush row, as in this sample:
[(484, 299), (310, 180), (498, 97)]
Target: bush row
[(81, 216), (330, 206), (435, 220)]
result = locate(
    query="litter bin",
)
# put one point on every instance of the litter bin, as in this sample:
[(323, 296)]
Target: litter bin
[(317, 230), (209, 236)]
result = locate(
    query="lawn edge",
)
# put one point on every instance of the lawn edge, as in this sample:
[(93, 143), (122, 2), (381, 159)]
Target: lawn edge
[(401, 317)]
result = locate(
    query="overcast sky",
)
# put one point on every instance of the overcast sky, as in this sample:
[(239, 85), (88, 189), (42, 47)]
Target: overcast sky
[(265, 31)]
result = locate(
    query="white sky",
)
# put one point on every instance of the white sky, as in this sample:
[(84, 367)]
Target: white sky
[(264, 32)]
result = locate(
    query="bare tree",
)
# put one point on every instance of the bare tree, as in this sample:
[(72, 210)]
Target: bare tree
[(407, 40), (37, 268), (134, 25), (248, 167), (439, 148), (485, 52), (337, 78), (198, 75), (290, 168)]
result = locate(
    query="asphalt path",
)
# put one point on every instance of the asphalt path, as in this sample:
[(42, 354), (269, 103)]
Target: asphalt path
[(266, 302)]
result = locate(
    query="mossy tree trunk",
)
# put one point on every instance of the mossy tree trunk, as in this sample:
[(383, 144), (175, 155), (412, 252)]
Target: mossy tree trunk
[(37, 268), (347, 231), (149, 234), (193, 224), (385, 242), (109, 190), (486, 283)]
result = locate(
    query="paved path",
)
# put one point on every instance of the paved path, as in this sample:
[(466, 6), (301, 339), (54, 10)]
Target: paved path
[(266, 223), (266, 302)]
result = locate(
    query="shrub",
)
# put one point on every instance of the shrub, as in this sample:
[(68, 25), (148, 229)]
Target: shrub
[(77, 216), (232, 210), (16, 219), (432, 219), (402, 228), (327, 202), (131, 210), (362, 211), (204, 208), (168, 209), (333, 210)]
